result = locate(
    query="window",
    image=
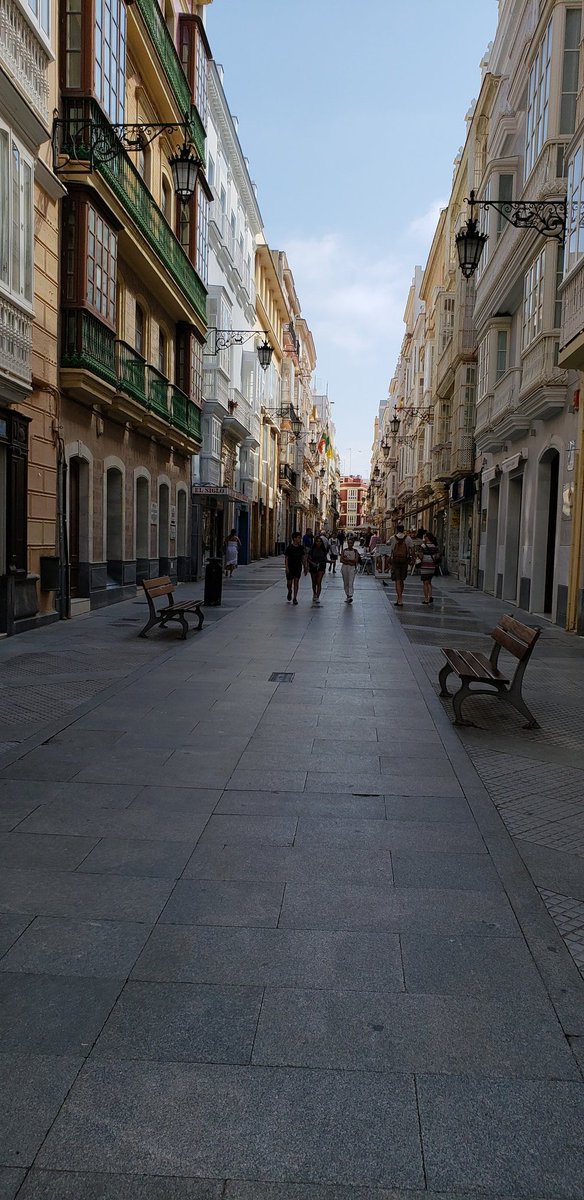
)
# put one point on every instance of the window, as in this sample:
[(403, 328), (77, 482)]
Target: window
[(533, 300), (211, 171), (166, 200), (501, 364), (39, 10), (215, 437), (101, 266), (162, 352), (470, 396), (575, 211), (559, 276), (569, 92), (73, 33), (505, 195), (193, 56), (447, 322), (538, 101), (202, 234), (16, 217), (140, 331), (483, 368), (109, 67)]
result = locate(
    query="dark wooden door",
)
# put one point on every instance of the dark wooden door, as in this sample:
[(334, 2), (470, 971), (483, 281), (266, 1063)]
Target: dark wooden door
[(74, 525)]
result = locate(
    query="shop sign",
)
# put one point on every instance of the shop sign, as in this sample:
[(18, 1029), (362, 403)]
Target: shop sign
[(570, 455), (462, 489)]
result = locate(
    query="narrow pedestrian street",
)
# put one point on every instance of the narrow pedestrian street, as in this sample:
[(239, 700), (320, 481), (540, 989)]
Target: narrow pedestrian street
[(271, 928)]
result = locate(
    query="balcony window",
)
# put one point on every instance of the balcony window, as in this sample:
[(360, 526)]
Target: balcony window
[(533, 300), (575, 210), (569, 93), (538, 101), (194, 55), (39, 10), (162, 352), (89, 266), (101, 266), (501, 364), (202, 234), (506, 184), (16, 217), (140, 331), (166, 200), (94, 53), (189, 363), (483, 369)]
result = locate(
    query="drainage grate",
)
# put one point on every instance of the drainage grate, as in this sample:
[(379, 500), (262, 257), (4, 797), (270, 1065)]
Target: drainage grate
[(281, 676)]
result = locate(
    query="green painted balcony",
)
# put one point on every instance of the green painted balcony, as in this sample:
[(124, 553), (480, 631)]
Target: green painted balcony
[(131, 372), (194, 421), (85, 126), (158, 387), (88, 344), (170, 62)]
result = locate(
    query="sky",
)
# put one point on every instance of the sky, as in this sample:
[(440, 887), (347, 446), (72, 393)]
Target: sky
[(351, 113)]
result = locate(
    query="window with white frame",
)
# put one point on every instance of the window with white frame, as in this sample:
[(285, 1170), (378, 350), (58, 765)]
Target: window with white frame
[(352, 494), (484, 228), (215, 436), (575, 210), (538, 96), (483, 368), (40, 12), (16, 217), (533, 300), (571, 57), (504, 196), (501, 363)]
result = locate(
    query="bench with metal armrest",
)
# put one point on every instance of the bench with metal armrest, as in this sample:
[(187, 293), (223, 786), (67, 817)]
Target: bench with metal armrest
[(163, 586), (474, 669)]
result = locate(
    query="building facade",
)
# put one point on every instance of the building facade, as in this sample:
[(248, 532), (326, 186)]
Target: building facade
[(30, 196), (226, 473), (133, 291), (353, 501)]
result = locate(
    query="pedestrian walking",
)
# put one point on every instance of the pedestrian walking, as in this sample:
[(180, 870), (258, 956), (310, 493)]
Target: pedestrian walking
[(349, 564), (307, 541), (294, 564), (401, 551), (333, 554), (231, 547), (429, 560), (341, 538), (317, 556)]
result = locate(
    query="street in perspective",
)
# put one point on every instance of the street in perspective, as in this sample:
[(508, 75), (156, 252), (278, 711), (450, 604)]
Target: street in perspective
[(291, 600)]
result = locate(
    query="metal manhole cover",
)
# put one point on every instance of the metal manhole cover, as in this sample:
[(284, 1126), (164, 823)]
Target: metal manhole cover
[(282, 676)]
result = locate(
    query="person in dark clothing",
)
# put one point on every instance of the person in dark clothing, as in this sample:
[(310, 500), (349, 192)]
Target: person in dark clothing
[(307, 542), (317, 559), (341, 535), (294, 563)]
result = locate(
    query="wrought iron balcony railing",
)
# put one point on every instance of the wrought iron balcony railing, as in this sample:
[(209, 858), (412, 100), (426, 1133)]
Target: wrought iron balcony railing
[(287, 473), (89, 345)]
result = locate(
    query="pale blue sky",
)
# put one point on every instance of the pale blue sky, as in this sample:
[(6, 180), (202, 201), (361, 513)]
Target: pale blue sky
[(351, 114)]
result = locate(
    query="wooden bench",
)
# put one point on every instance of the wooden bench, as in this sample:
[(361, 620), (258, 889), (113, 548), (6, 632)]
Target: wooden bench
[(173, 612), (473, 668)]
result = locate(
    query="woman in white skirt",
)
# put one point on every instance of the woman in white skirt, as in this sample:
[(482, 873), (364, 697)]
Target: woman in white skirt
[(231, 553), (349, 564)]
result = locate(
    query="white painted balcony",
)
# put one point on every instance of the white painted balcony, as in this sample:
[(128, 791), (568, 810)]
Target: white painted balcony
[(484, 412), (15, 344), (540, 366), (506, 394), (24, 58), (573, 306)]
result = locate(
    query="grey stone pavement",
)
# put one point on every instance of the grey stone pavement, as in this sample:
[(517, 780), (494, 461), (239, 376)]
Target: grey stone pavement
[(299, 940)]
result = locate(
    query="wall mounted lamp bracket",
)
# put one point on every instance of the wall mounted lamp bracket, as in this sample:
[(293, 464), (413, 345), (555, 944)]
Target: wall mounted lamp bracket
[(547, 217)]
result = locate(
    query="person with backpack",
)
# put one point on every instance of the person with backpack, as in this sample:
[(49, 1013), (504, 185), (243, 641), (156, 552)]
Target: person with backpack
[(401, 551), (429, 560)]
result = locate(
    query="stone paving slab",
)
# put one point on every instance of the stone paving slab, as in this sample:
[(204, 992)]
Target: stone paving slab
[(273, 957), (32, 1090), (519, 1137), (217, 1121), (69, 947), (56, 1185)]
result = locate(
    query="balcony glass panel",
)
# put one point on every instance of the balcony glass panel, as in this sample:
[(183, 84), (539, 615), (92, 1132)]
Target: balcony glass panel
[(131, 369)]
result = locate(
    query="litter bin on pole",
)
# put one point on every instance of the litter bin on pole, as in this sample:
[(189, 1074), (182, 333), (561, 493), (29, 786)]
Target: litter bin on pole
[(213, 581)]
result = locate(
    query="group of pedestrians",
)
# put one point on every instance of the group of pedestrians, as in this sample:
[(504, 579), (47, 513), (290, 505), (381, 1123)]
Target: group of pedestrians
[(310, 554)]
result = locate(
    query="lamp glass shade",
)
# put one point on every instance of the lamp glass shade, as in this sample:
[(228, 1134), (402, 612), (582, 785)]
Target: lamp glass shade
[(470, 243), (394, 425), (265, 355), (185, 168), (296, 426), (385, 449), (312, 445)]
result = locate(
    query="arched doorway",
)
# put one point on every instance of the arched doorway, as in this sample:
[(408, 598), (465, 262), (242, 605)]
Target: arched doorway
[(546, 522), (163, 528), (142, 529), (78, 531), (114, 538)]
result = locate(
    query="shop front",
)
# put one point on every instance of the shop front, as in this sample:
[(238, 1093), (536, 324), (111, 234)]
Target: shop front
[(216, 511), (462, 524)]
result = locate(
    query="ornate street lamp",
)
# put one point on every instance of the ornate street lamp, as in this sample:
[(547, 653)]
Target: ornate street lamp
[(224, 338), (80, 138), (394, 424), (548, 217)]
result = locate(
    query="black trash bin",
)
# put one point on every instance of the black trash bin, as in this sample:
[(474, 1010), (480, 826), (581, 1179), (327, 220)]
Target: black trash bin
[(213, 581)]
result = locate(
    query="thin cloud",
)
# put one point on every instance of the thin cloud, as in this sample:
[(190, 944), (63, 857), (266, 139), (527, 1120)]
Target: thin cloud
[(422, 228)]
